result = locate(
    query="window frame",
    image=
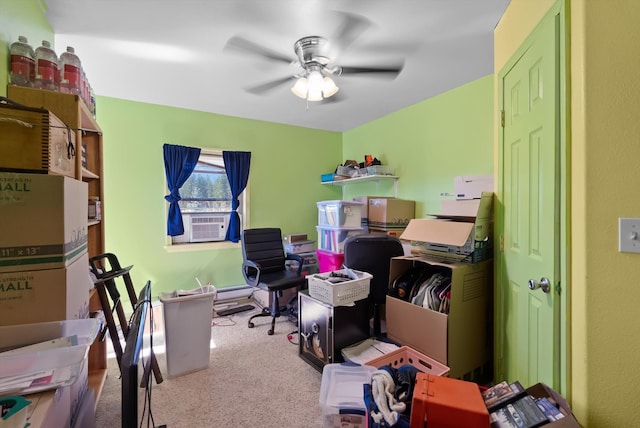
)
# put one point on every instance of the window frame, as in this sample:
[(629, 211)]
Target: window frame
[(243, 211)]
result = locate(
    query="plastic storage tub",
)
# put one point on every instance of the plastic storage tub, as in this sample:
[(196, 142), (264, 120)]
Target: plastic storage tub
[(322, 288), (342, 394), (187, 327), (332, 238), (406, 355), (379, 170), (328, 261), (339, 213), (38, 369)]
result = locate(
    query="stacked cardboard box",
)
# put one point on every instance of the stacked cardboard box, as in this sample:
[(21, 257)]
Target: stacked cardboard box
[(35, 140), (462, 231), (456, 242), (44, 266), (459, 338)]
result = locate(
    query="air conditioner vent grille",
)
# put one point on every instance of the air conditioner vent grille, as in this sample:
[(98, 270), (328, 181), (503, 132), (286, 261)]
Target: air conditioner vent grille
[(208, 228)]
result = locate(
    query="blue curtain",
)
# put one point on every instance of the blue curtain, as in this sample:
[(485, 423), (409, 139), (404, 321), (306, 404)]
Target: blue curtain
[(179, 163), (236, 165)]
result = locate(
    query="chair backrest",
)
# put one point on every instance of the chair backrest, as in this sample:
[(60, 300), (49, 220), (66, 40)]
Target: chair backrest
[(373, 253), (264, 246)]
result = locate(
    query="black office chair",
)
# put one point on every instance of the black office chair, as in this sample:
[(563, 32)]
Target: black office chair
[(264, 267), (372, 252)]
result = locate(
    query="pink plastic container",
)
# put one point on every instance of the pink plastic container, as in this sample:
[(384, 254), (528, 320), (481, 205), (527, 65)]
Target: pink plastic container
[(328, 261)]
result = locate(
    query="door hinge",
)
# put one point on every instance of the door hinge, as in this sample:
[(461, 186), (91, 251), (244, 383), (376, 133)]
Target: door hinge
[(502, 118), (502, 243)]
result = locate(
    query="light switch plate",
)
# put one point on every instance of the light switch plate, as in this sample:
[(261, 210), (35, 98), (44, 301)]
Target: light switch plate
[(629, 239)]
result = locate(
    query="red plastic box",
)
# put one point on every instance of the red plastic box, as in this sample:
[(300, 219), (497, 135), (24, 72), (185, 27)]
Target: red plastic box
[(447, 403)]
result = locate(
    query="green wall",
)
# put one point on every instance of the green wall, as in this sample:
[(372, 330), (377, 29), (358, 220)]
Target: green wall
[(286, 165), (429, 143)]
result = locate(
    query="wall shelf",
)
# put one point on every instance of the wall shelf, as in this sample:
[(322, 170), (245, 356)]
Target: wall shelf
[(375, 178)]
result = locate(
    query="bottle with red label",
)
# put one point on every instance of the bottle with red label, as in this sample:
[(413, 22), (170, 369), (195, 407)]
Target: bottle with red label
[(23, 71), (71, 73), (47, 75)]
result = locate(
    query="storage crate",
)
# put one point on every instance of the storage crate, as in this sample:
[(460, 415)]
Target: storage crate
[(299, 247), (322, 288), (339, 213), (406, 355), (328, 261), (333, 238), (324, 178), (447, 402), (34, 369), (342, 395), (36, 141)]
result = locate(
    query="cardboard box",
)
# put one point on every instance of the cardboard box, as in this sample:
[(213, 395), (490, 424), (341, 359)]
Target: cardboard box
[(447, 403), (45, 295), (299, 247), (43, 221), (364, 200), (463, 231), (460, 339), (390, 212), (472, 186), (389, 232), (35, 140), (540, 390), (50, 409)]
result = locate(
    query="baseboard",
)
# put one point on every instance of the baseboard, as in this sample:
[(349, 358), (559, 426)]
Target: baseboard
[(235, 295)]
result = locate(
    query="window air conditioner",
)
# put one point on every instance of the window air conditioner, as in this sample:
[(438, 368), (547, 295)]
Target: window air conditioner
[(208, 228)]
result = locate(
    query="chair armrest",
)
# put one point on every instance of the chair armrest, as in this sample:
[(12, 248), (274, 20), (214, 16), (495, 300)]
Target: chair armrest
[(251, 272), (298, 259)]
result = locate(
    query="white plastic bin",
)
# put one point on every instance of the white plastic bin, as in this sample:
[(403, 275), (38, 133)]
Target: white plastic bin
[(339, 213), (187, 329), (342, 394), (28, 365)]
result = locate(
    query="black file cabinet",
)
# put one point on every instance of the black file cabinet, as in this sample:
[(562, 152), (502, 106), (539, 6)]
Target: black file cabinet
[(325, 329)]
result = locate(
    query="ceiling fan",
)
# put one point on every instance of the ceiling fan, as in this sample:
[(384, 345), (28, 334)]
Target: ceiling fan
[(316, 58)]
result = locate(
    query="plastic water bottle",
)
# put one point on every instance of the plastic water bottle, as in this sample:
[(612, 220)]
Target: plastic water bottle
[(71, 72), (23, 71), (47, 76)]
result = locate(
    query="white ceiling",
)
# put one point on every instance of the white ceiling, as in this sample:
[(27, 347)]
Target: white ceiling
[(173, 52)]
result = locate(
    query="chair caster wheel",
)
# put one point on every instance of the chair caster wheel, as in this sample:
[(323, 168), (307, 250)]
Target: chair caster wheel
[(270, 332), (251, 325)]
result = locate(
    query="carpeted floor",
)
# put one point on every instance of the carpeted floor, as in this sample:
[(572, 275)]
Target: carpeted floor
[(253, 380)]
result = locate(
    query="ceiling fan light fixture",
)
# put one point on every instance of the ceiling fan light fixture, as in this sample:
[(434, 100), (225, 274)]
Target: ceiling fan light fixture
[(316, 85), (329, 87), (301, 88)]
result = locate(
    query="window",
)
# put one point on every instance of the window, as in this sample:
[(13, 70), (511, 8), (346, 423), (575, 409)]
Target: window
[(206, 201)]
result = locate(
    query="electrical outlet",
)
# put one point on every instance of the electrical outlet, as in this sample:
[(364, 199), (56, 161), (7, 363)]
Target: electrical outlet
[(629, 239)]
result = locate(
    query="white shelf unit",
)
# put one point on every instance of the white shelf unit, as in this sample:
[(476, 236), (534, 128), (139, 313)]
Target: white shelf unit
[(376, 178)]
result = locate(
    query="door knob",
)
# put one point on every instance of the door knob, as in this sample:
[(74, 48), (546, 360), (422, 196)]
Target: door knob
[(544, 285)]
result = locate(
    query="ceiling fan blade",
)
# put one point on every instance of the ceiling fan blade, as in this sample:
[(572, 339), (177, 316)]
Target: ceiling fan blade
[(268, 86), (349, 29), (390, 71), (247, 46)]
